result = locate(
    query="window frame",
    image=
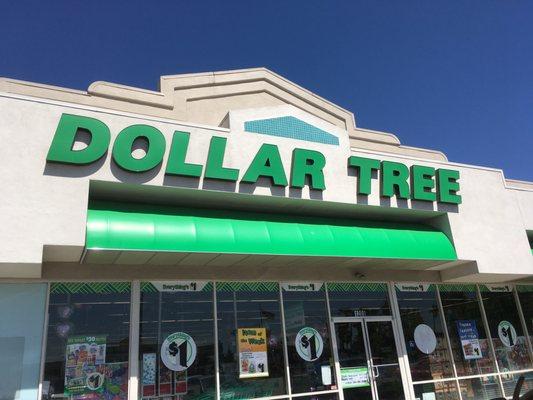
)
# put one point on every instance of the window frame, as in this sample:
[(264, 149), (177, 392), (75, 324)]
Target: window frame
[(134, 332)]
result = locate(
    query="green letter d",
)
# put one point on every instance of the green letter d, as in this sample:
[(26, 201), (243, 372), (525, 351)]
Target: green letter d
[(61, 148)]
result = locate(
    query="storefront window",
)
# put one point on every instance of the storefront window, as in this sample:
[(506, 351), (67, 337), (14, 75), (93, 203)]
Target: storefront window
[(327, 396), (525, 294), (424, 335), (506, 330), (358, 299), (177, 340), (437, 391), (250, 340), (22, 315), (509, 383), (470, 347), (484, 388), (88, 341), (308, 339)]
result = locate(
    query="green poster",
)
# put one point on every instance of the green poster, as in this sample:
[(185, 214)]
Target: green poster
[(85, 364)]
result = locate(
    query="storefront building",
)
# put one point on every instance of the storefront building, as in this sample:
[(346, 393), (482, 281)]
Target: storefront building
[(235, 236)]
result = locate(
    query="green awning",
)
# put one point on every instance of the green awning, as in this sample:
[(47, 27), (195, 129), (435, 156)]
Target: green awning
[(136, 227)]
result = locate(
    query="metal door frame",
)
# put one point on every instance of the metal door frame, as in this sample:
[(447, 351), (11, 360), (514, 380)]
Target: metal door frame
[(368, 350)]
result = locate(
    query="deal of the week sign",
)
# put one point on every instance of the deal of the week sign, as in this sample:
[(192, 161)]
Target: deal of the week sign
[(418, 182), (253, 356)]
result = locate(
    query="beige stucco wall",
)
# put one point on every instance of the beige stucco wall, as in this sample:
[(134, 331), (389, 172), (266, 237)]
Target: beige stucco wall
[(524, 198), (45, 204)]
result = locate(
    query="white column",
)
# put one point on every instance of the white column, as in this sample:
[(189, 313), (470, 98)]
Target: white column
[(135, 313), (405, 368), (44, 341), (215, 325), (523, 322), (285, 351)]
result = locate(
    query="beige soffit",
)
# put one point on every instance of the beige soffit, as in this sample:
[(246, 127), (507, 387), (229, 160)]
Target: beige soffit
[(206, 98)]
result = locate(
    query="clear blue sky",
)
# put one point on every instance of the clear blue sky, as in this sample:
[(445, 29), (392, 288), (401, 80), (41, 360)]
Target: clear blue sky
[(456, 76)]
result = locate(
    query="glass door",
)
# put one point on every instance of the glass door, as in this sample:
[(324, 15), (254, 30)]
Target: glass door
[(384, 363), (352, 353), (368, 360)]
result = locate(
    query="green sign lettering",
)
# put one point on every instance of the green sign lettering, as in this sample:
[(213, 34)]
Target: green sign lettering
[(418, 182), (423, 183), (267, 162), (61, 149), (448, 183), (394, 177), (176, 164), (308, 163), (214, 168), (122, 148), (365, 166)]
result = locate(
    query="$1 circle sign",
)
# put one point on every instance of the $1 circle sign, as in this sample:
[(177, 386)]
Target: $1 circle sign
[(178, 351), (309, 344), (507, 333), (94, 381)]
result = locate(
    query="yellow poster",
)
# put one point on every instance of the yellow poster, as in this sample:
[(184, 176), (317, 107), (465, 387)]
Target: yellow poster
[(253, 360)]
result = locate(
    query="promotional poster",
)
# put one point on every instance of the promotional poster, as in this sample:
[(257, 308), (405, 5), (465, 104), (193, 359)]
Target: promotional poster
[(469, 338), (253, 360), (85, 359)]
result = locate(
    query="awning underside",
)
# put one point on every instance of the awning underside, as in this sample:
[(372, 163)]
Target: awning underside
[(161, 231)]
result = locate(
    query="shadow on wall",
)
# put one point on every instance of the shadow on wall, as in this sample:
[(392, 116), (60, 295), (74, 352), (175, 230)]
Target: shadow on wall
[(133, 177), (71, 170), (241, 187), (188, 182), (79, 171), (249, 188), (443, 207)]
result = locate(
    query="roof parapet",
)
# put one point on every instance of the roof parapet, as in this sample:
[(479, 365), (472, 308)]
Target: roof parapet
[(206, 98)]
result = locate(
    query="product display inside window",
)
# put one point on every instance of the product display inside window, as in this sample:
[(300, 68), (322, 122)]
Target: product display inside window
[(437, 390), (470, 346), (525, 294), (510, 380), (424, 335), (308, 339), (177, 340), (506, 330), (250, 340), (327, 396), (484, 388), (87, 348)]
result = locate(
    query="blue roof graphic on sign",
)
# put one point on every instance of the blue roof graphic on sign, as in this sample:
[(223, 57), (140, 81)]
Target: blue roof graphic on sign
[(292, 128)]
